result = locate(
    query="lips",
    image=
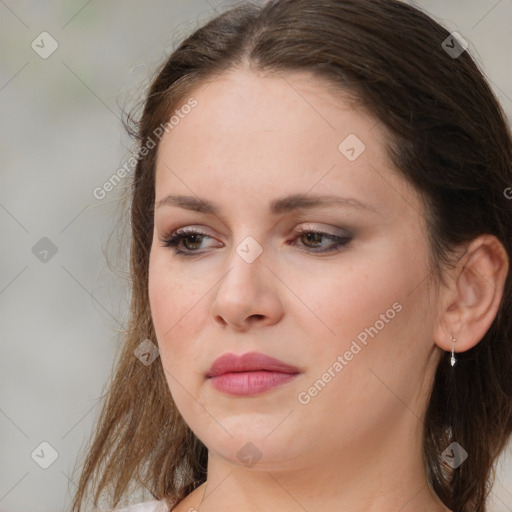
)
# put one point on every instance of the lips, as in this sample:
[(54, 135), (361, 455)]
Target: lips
[(249, 362), (249, 374)]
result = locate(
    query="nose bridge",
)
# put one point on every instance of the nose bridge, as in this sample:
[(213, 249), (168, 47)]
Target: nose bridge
[(246, 291), (248, 240), (246, 265)]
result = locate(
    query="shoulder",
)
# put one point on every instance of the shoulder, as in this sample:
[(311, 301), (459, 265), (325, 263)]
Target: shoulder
[(147, 506)]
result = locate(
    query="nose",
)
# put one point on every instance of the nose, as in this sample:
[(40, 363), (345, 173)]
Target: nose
[(248, 295)]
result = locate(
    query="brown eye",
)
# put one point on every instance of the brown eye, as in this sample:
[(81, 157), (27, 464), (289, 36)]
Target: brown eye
[(312, 239), (191, 239)]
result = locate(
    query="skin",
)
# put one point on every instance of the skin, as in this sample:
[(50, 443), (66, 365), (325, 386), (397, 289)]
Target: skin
[(356, 445)]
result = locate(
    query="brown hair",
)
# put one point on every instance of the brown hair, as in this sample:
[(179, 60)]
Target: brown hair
[(449, 138)]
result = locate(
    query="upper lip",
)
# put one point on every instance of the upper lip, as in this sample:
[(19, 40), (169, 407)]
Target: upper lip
[(251, 361)]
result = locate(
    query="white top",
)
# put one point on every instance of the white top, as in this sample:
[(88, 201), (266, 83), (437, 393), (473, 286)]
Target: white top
[(147, 506)]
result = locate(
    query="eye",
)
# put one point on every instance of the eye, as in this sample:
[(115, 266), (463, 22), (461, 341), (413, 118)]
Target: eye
[(191, 239), (187, 241), (312, 239)]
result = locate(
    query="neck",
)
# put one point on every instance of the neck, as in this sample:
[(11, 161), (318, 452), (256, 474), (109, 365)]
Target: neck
[(383, 473)]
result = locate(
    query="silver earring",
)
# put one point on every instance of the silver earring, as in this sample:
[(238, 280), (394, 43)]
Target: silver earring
[(452, 359)]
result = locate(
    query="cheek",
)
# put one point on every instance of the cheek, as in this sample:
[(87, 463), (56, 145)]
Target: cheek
[(163, 298), (175, 304), (375, 311), (343, 301)]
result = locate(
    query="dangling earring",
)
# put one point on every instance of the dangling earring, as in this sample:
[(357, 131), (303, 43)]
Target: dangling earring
[(452, 359)]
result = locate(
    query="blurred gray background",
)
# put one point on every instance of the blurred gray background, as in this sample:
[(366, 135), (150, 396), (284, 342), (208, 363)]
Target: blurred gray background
[(61, 305)]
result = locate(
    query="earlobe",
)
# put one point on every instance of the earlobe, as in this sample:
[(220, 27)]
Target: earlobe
[(472, 302)]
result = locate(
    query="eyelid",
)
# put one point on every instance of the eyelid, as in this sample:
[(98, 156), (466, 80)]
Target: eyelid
[(192, 230), (304, 227), (327, 230)]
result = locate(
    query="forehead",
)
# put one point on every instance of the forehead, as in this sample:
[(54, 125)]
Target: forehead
[(255, 135), (271, 101)]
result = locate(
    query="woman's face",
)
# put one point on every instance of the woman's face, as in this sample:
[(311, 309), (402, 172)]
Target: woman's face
[(350, 309)]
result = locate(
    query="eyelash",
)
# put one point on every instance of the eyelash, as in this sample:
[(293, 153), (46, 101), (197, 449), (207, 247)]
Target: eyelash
[(173, 240)]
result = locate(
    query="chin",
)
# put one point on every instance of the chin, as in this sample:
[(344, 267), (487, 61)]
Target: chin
[(252, 448)]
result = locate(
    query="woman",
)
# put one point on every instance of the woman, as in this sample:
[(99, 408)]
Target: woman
[(321, 247)]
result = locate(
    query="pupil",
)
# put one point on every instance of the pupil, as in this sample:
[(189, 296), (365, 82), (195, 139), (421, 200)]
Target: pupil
[(313, 237), (194, 239)]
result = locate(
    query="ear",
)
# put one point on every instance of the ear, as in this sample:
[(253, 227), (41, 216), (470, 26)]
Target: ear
[(471, 300)]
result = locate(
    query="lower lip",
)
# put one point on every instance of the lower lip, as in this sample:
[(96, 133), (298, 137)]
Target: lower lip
[(250, 383)]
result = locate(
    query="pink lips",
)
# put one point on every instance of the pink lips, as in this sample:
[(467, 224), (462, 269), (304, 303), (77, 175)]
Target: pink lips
[(249, 373)]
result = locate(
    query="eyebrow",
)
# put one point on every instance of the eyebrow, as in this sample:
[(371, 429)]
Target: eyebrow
[(277, 206)]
